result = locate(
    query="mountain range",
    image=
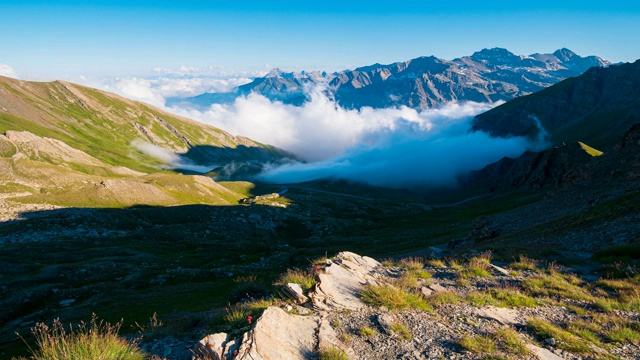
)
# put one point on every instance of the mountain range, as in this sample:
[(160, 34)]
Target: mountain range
[(489, 75)]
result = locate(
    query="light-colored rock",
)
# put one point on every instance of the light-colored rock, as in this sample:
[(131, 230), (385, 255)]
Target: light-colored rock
[(328, 339), (502, 315), (542, 354), (437, 288), (426, 291), (278, 335), (386, 320), (340, 285), (212, 346), (503, 271), (295, 293)]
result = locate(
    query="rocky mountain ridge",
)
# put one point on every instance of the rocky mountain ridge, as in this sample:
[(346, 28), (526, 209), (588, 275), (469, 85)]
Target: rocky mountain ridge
[(597, 107), (489, 75)]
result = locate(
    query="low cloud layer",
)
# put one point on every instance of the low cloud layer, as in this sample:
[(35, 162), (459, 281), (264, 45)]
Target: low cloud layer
[(397, 147), (173, 160), (6, 70)]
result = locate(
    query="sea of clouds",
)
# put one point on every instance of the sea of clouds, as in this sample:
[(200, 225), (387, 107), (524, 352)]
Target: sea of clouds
[(398, 147)]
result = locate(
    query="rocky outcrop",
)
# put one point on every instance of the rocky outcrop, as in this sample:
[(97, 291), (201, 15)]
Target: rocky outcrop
[(597, 107)]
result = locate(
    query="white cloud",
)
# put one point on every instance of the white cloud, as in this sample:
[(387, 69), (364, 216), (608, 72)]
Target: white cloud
[(6, 70)]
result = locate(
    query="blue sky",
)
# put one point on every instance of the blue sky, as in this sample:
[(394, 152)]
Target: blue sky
[(63, 39)]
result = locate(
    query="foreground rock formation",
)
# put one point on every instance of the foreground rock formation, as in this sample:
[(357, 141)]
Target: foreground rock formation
[(492, 308)]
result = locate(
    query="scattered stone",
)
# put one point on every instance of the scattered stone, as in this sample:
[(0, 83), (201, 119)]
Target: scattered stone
[(502, 315), (294, 292), (542, 354), (426, 291), (437, 288), (503, 271), (386, 320)]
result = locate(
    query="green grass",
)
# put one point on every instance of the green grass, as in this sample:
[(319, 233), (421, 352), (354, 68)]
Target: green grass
[(478, 344), (332, 353), (509, 339), (501, 298), (393, 298), (436, 263), (556, 285), (564, 339), (401, 331), (93, 340), (589, 150), (366, 331), (305, 279), (445, 297), (624, 333), (524, 263)]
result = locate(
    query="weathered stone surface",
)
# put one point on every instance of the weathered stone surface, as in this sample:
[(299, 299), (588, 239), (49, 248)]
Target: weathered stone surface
[(542, 354), (426, 291), (278, 335), (503, 271), (212, 346), (342, 281), (294, 292), (501, 315), (385, 321), (437, 288)]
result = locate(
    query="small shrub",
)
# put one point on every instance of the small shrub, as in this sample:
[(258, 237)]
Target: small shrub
[(401, 331), (366, 331), (478, 344), (332, 353), (94, 340), (303, 278)]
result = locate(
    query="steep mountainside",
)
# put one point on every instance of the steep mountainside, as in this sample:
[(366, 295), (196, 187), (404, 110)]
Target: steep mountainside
[(104, 125), (597, 107), (488, 75)]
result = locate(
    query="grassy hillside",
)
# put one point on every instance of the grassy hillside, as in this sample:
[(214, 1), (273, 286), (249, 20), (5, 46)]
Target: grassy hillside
[(103, 125)]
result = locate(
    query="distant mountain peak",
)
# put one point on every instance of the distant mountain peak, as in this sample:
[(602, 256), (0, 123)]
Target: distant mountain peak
[(564, 54), (275, 72), (493, 53)]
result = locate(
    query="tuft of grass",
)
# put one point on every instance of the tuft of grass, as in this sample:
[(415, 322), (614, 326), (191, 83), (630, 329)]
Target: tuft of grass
[(412, 264), (500, 297), (422, 274), (524, 263), (332, 353), (565, 340), (585, 329), (436, 263), (401, 331), (556, 285), (93, 340), (478, 266), (509, 339), (236, 316), (335, 324), (445, 297), (455, 265), (478, 344), (624, 333), (407, 281), (366, 331), (393, 298), (345, 338), (303, 278)]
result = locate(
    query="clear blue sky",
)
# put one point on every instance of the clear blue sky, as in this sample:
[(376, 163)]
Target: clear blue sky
[(55, 39)]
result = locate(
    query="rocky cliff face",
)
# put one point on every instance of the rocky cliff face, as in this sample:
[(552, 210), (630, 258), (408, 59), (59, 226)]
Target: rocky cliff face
[(488, 75), (597, 107)]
